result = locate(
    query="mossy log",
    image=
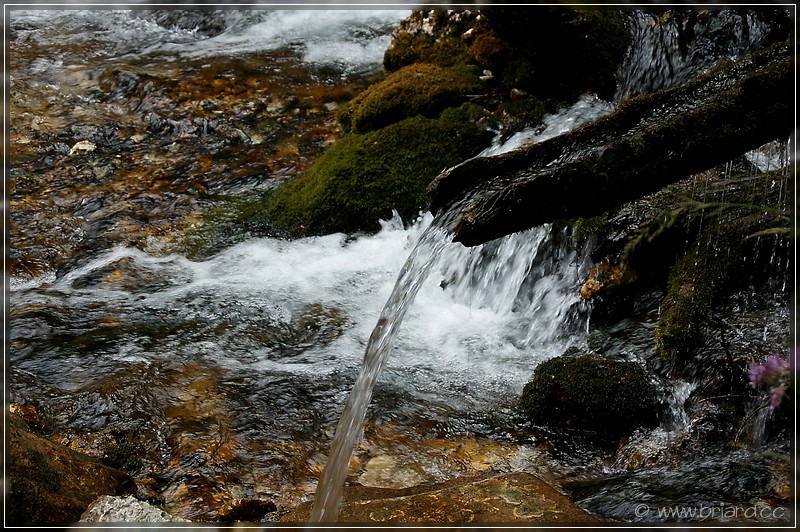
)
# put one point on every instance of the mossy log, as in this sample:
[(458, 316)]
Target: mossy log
[(647, 143)]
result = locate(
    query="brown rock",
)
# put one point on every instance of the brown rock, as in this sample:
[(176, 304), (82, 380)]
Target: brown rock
[(507, 498), (50, 484)]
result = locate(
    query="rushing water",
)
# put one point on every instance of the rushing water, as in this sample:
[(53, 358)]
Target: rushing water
[(229, 373), (495, 282)]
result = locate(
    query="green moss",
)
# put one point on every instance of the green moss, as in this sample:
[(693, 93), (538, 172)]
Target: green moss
[(123, 455), (430, 36), (590, 393), (362, 178), (716, 261), (420, 89)]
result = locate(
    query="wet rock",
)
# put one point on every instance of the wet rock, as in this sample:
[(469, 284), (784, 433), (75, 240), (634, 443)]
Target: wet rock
[(108, 509), (249, 510), (510, 498), (600, 397), (363, 178), (49, 484), (421, 88)]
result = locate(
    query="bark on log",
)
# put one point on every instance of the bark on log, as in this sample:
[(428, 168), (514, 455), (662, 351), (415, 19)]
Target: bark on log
[(647, 143)]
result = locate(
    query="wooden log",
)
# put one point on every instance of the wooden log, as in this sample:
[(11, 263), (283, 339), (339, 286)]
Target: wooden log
[(647, 143)]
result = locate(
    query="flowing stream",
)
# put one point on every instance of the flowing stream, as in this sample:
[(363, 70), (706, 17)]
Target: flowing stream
[(228, 367), (511, 267)]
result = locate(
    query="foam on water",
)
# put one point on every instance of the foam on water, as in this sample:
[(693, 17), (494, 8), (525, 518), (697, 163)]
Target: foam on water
[(587, 108), (352, 39)]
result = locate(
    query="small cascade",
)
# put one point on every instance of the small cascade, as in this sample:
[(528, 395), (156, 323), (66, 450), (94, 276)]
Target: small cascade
[(524, 275), (532, 277), (671, 47), (675, 416)]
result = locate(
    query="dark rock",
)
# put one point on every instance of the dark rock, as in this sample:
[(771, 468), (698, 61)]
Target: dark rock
[(735, 108), (600, 397), (49, 484), (591, 44), (250, 510)]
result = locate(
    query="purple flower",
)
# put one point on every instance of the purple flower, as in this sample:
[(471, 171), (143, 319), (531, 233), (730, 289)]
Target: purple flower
[(756, 375), (773, 373), (770, 372), (776, 396)]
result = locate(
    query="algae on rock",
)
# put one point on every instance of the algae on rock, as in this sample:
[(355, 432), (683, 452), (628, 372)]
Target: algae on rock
[(363, 177), (418, 89)]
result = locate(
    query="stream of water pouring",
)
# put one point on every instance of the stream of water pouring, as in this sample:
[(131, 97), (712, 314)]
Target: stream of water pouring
[(412, 276)]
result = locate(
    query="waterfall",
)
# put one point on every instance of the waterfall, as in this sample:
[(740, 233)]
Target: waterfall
[(523, 274), (671, 47)]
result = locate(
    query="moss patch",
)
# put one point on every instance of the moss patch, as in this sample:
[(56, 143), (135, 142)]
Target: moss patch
[(362, 178), (430, 36), (420, 89), (599, 396)]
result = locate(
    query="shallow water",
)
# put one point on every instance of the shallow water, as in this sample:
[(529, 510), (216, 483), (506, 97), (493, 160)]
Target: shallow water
[(228, 369)]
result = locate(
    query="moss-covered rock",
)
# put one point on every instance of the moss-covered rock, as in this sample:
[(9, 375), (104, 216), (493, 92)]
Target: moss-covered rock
[(598, 396), (362, 178), (419, 89), (431, 36), (516, 45), (726, 255)]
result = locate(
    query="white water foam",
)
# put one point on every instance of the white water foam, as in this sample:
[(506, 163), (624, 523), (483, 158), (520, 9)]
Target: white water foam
[(352, 39), (587, 108)]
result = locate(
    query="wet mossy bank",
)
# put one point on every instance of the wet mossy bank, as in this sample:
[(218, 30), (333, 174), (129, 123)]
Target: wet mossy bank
[(453, 80), (362, 178)]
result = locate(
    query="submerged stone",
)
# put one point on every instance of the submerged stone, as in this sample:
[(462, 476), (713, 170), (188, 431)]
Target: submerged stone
[(507, 498), (108, 509)]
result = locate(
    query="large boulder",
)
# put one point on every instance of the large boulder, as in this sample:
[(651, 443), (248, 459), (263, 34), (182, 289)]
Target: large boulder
[(516, 45), (600, 397), (50, 484)]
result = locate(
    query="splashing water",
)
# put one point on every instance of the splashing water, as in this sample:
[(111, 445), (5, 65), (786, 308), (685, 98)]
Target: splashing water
[(348, 432), (472, 274)]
